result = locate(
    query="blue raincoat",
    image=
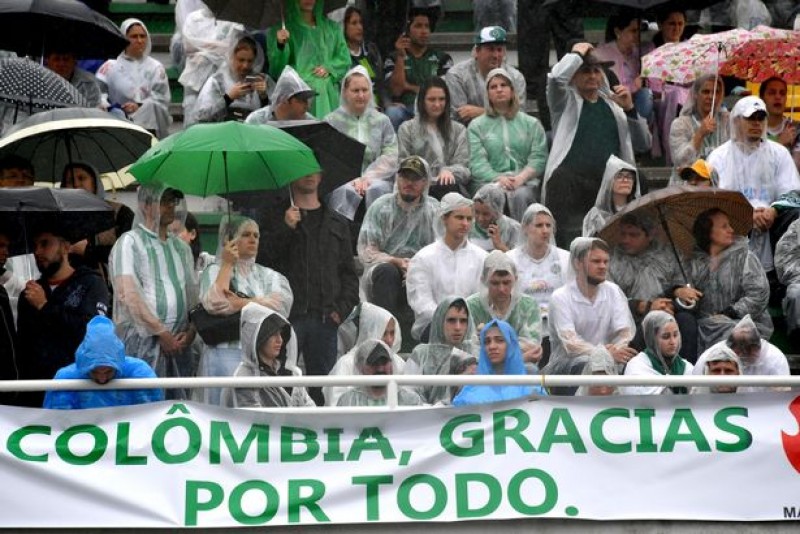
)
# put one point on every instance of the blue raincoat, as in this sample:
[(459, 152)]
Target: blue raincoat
[(102, 347), (513, 365)]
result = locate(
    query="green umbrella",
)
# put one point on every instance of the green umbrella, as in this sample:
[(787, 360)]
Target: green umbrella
[(226, 157)]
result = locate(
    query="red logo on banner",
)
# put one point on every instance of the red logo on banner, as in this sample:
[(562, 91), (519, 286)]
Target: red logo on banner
[(791, 443)]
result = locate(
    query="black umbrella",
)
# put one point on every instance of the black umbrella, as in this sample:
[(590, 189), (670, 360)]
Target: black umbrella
[(26, 210), (52, 139), (30, 27), (643, 5), (27, 87), (259, 14)]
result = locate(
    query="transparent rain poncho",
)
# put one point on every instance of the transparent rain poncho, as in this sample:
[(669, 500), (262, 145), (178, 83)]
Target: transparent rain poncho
[(653, 361), (369, 395), (767, 359), (494, 198), (289, 83), (523, 311), (211, 105), (738, 282), (787, 267), (153, 278), (513, 365), (577, 324), (684, 126), (599, 362), (143, 80), (258, 323), (373, 129), (370, 322), (435, 357), (717, 353), (443, 154), (604, 208)]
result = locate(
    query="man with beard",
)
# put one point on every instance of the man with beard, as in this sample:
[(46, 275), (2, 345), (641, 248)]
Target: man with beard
[(373, 357), (587, 312), (53, 311)]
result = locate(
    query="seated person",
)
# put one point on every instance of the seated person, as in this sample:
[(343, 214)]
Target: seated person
[(620, 185), (268, 349), (101, 358), (290, 100), (373, 357), (601, 363), (448, 266), (787, 267), (698, 174), (500, 354), (758, 356), (373, 322), (452, 333), (720, 361), (500, 297), (61, 60), (660, 357), (493, 230)]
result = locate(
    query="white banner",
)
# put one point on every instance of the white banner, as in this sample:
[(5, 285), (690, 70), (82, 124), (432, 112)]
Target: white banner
[(721, 458)]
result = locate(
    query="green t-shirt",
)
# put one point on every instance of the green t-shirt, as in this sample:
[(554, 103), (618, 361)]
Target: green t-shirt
[(418, 69), (596, 138)]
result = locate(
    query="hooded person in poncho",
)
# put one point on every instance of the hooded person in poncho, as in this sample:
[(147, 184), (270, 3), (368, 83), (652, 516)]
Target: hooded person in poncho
[(719, 360), (452, 335), (620, 186), (493, 230), (370, 322), (101, 358), (137, 83), (500, 354), (290, 100), (600, 362), (787, 267), (227, 285), (374, 357), (268, 349)]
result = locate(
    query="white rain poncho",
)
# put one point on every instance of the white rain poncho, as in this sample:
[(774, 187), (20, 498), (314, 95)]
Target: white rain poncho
[(578, 324), (211, 105), (494, 198), (539, 278), (766, 360), (787, 267), (289, 84), (395, 228), (600, 362), (437, 271), (206, 43), (717, 353), (154, 280), (436, 357), (604, 207), (372, 322), (428, 142), (738, 282), (365, 353), (258, 323), (523, 311), (144, 81), (380, 164), (761, 172), (684, 126), (468, 87), (565, 109), (653, 361)]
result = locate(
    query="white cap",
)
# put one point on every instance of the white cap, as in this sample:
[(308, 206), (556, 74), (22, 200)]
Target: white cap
[(749, 105)]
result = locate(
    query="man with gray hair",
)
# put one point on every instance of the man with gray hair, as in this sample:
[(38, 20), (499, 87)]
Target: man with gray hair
[(450, 266), (290, 101)]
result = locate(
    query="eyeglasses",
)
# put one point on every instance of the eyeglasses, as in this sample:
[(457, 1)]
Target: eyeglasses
[(623, 175)]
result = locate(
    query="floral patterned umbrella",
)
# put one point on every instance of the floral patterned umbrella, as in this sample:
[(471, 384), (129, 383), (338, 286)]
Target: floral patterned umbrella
[(684, 62), (762, 59)]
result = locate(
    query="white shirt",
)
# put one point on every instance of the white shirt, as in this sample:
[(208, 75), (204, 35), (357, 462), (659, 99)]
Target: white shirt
[(640, 365)]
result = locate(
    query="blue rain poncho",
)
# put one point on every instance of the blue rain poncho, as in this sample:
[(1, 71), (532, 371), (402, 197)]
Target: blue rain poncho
[(513, 365), (102, 348)]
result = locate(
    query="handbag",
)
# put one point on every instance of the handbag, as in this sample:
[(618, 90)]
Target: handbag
[(216, 329)]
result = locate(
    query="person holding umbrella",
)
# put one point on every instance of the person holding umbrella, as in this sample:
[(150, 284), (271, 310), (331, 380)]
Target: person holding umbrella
[(136, 83), (702, 125)]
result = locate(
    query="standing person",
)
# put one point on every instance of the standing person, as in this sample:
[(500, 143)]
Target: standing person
[(59, 303), (780, 128), (101, 358), (661, 356), (236, 89), (155, 285), (231, 282), (619, 187), (136, 83), (9, 353), (363, 52), (493, 230), (311, 246), (591, 121), (314, 45), (61, 60), (358, 118), (495, 12), (291, 99), (438, 139), (467, 79), (411, 64), (507, 146)]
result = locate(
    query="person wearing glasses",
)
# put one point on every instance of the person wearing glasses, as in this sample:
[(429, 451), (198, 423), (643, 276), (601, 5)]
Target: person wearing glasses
[(620, 185)]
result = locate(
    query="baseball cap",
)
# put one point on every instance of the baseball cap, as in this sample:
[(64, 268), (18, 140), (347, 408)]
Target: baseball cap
[(304, 94), (699, 168), (491, 34), (414, 167), (751, 107)]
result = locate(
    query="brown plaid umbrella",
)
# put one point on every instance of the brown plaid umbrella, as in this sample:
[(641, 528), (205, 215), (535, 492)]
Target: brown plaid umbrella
[(677, 207)]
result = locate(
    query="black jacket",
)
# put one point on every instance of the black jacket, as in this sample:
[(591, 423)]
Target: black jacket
[(9, 366), (288, 252)]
